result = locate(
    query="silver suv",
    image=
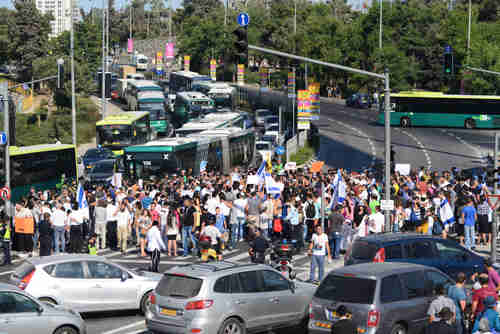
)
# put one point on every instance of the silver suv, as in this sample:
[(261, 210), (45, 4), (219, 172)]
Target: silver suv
[(226, 297)]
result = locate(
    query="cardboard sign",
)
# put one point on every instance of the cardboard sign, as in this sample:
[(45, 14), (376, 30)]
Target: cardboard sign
[(24, 225), (253, 179), (403, 169), (316, 166), (291, 165)]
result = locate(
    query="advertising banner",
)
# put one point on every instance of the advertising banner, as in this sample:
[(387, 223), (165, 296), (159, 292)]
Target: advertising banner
[(159, 58), (314, 100), (169, 50), (187, 60), (264, 76), (213, 69), (130, 45), (241, 74), (291, 85)]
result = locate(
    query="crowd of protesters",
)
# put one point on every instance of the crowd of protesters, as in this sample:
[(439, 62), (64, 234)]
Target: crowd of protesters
[(184, 205)]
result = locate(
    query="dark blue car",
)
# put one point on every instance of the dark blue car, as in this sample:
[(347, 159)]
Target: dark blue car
[(93, 155), (443, 254)]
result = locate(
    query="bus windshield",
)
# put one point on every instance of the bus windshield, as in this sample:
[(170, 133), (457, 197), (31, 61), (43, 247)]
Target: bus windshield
[(114, 134), (156, 110)]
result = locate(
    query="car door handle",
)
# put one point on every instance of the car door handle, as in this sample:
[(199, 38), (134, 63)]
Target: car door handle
[(98, 286), (274, 300), (240, 302), (5, 321)]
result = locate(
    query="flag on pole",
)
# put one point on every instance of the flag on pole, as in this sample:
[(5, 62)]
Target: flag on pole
[(82, 201), (261, 172), (272, 187), (445, 213), (339, 190)]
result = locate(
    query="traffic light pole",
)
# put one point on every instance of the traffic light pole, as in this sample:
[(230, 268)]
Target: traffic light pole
[(5, 95), (387, 103), (494, 225)]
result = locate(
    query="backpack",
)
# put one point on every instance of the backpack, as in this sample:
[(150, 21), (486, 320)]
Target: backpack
[(437, 228), (310, 211)]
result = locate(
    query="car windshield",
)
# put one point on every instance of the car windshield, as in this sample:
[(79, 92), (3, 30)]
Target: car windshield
[(340, 289), (98, 154), (263, 146), (104, 167), (114, 134), (264, 113), (273, 128), (268, 138), (182, 286), (156, 110)]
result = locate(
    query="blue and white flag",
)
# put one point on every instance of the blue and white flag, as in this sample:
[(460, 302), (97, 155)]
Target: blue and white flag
[(261, 172), (272, 187), (339, 190), (81, 199), (203, 166), (445, 213)]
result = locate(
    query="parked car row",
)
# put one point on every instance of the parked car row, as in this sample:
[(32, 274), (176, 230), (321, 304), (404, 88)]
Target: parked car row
[(387, 284)]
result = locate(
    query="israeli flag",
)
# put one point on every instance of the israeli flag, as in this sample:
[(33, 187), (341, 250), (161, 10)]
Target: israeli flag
[(203, 166), (83, 205), (339, 189), (272, 187), (445, 213), (261, 172)]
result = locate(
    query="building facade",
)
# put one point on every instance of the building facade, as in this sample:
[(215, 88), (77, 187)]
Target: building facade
[(61, 12)]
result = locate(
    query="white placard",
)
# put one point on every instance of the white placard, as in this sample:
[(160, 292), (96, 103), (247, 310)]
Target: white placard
[(403, 169), (253, 179), (387, 205)]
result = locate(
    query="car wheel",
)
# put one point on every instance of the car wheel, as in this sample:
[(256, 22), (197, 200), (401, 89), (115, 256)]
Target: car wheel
[(398, 329), (66, 330), (145, 302), (470, 124), (405, 122), (232, 326), (47, 300)]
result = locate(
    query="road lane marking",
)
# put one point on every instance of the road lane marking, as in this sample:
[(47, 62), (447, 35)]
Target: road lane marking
[(123, 328), (420, 145), (361, 134), (463, 142), (6, 272)]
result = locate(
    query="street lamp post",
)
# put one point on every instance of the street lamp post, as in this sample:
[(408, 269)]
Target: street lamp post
[(103, 70), (73, 97)]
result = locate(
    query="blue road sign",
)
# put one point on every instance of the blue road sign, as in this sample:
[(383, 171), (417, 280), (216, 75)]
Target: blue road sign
[(3, 138), (243, 19), (218, 152), (280, 150), (447, 49)]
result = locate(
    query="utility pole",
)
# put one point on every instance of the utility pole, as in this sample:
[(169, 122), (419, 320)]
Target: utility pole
[(6, 123), (387, 116), (468, 31), (380, 26), (73, 97), (495, 216), (107, 35), (103, 70)]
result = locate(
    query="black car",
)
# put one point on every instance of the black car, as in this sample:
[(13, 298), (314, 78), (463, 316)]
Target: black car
[(93, 155), (102, 172), (443, 254), (359, 100)]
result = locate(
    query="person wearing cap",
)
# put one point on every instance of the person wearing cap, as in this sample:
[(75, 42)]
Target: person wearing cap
[(344, 325), (489, 313), (439, 302), (442, 326)]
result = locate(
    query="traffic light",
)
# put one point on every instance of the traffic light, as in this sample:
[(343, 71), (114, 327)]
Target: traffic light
[(448, 64), (15, 168), (2, 163), (60, 74), (241, 46)]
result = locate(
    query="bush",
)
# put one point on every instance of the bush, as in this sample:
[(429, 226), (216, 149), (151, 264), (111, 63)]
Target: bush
[(303, 155)]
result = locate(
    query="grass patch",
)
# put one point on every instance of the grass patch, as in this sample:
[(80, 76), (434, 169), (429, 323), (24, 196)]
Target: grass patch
[(303, 155)]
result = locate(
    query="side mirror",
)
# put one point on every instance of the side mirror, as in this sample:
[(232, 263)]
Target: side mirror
[(39, 309), (124, 276), (293, 287)]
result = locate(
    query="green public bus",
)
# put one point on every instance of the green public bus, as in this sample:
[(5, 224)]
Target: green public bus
[(421, 108), (41, 167), (191, 105)]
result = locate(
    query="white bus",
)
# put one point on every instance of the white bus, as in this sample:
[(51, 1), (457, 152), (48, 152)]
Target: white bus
[(211, 121), (141, 62), (182, 81), (224, 95)]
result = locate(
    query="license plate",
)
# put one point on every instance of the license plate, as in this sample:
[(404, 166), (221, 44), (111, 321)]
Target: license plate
[(89, 167), (169, 312)]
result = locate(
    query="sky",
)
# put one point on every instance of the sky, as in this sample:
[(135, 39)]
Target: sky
[(86, 4)]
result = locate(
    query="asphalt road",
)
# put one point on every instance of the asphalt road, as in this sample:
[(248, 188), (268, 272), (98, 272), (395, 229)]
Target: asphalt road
[(350, 138)]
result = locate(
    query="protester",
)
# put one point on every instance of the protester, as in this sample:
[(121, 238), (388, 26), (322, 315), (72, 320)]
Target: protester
[(489, 313), (458, 294), (344, 325), (155, 245), (441, 326), (318, 250), (439, 302)]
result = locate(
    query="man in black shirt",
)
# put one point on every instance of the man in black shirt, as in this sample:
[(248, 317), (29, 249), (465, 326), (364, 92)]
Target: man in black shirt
[(188, 227), (258, 248), (345, 325)]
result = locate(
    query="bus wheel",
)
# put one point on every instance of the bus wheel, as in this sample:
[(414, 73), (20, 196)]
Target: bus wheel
[(405, 122), (470, 124)]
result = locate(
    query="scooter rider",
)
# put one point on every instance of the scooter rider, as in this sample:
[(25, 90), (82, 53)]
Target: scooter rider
[(215, 235), (258, 248)]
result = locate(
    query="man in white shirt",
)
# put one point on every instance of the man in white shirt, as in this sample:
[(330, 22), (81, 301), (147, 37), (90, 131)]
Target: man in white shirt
[(123, 223), (75, 234), (58, 220), (318, 249), (212, 204), (155, 245), (376, 221), (214, 234), (239, 207)]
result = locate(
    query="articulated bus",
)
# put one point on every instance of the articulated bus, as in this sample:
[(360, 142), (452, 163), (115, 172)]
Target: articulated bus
[(221, 149), (216, 120), (190, 105), (224, 95), (123, 129), (420, 108), (42, 167), (183, 81)]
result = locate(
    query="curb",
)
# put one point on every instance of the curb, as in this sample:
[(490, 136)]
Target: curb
[(309, 163)]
